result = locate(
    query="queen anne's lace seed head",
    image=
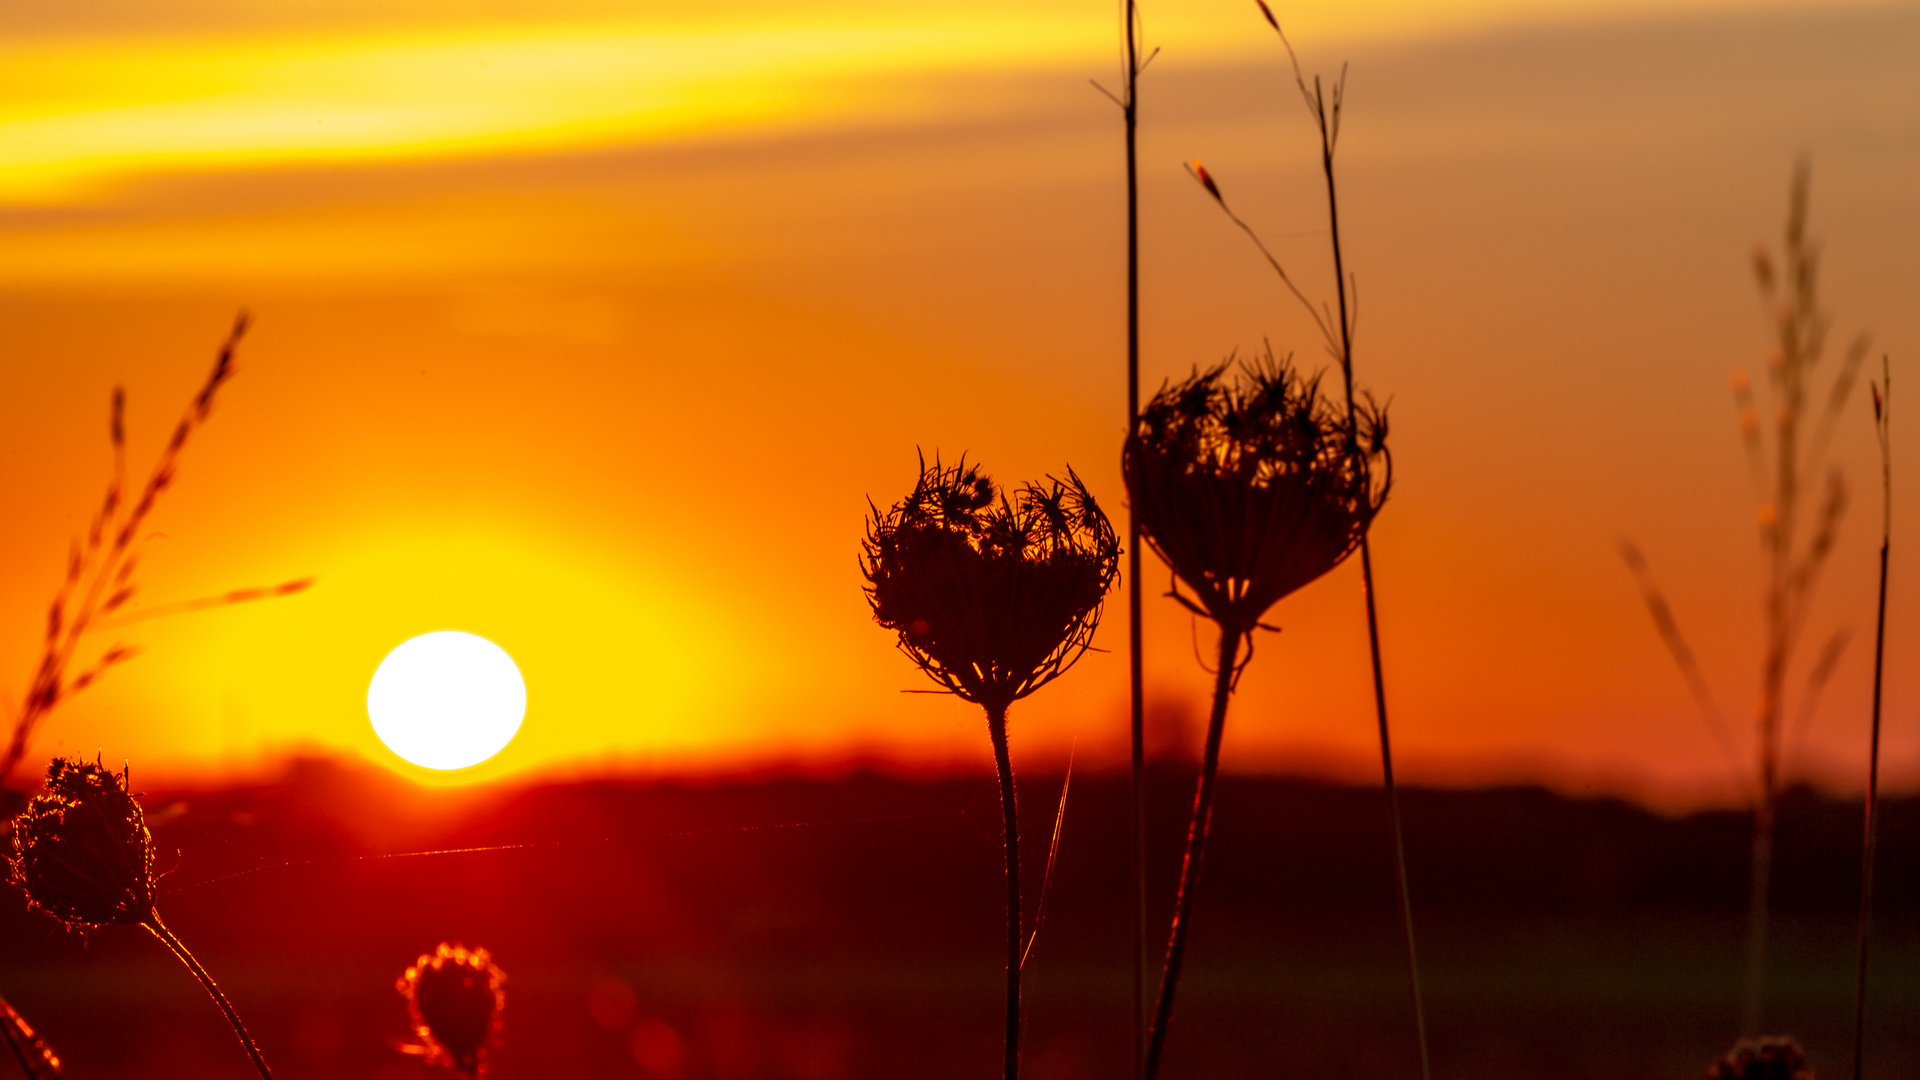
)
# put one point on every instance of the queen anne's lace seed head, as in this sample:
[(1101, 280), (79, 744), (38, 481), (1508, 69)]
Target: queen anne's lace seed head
[(81, 850), (454, 998), (993, 596), (1251, 490)]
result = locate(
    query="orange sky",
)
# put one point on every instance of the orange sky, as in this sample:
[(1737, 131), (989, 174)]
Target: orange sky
[(591, 330)]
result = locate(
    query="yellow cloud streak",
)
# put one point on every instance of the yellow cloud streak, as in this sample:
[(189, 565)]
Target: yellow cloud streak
[(80, 115), (76, 117)]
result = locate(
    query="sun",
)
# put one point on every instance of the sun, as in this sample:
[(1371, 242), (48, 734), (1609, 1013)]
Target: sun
[(446, 700)]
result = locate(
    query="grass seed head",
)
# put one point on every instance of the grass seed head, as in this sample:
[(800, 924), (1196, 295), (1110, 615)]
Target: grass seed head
[(993, 595), (454, 997), (1251, 489), (81, 850), (1770, 1057)]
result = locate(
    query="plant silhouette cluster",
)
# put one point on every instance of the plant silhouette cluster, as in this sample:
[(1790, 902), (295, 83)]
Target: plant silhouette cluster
[(1250, 489), (455, 996), (992, 596)]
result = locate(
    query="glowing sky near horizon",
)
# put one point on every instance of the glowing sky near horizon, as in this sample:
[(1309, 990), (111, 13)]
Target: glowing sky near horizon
[(590, 327)]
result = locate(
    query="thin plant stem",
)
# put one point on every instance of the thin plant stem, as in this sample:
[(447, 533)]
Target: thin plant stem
[(1197, 828), (997, 728), (159, 930), (1366, 577), (1882, 421), (1759, 884), (36, 1059), (1137, 836)]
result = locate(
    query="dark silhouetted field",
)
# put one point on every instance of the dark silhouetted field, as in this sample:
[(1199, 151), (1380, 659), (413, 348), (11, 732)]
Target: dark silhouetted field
[(700, 922)]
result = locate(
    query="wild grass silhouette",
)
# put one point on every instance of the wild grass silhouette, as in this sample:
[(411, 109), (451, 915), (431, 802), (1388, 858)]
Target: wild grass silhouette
[(1784, 457), (102, 571), (1133, 63), (1869, 844), (992, 597)]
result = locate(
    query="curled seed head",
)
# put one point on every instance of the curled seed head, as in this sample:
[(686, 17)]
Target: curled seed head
[(81, 850), (454, 998), (993, 597), (1251, 489)]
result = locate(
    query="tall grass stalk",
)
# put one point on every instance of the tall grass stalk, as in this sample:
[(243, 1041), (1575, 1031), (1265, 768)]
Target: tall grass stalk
[(101, 576), (1882, 423), (1325, 111), (1136, 685), (1781, 467), (1133, 63)]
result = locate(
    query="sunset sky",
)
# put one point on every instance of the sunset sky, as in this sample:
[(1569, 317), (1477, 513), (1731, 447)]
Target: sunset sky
[(590, 327)]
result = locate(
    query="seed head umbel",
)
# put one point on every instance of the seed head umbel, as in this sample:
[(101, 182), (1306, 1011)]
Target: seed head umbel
[(454, 998), (1771, 1057), (81, 850), (993, 596), (1251, 489)]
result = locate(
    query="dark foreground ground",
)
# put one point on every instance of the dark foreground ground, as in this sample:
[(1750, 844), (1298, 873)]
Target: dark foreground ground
[(850, 928)]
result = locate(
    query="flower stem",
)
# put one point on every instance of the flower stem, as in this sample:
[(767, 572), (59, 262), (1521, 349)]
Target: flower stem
[(159, 930), (1882, 420), (997, 728), (1196, 850), (1341, 282), (1137, 835)]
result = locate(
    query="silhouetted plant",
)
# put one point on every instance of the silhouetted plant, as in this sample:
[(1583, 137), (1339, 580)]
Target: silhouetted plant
[(1772, 1057), (455, 996), (100, 577), (1248, 491), (1324, 103), (1133, 65), (1782, 466), (1883, 430), (36, 1059), (82, 854), (993, 597)]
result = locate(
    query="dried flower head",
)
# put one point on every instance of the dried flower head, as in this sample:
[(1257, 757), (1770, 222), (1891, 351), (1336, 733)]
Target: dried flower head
[(81, 850), (1251, 490), (1771, 1057), (994, 597), (454, 998)]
